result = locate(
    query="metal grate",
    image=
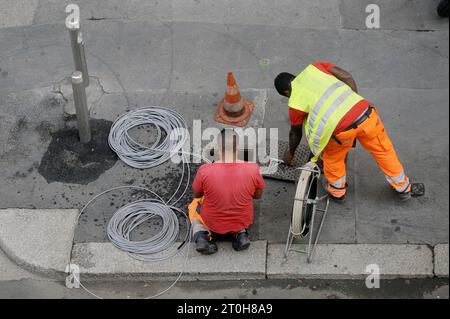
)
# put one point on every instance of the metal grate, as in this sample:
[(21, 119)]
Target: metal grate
[(283, 171)]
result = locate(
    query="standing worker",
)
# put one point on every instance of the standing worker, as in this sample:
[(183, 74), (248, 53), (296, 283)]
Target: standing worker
[(224, 193), (336, 115)]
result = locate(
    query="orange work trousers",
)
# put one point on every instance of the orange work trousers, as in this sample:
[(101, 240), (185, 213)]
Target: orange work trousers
[(196, 220), (373, 137)]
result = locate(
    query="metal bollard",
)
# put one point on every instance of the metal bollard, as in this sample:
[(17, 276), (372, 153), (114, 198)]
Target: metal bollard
[(84, 69), (81, 109), (79, 58)]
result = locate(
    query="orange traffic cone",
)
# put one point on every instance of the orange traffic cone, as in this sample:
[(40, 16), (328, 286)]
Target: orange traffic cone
[(233, 109)]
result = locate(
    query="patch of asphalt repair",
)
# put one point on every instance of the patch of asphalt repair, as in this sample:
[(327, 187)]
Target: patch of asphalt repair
[(70, 161)]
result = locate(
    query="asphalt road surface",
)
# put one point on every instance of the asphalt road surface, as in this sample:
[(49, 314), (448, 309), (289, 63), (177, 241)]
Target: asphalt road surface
[(247, 289)]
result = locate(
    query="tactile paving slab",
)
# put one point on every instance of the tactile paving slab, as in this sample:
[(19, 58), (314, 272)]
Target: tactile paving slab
[(284, 172)]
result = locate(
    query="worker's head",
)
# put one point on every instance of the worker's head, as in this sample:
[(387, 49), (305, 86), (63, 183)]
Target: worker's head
[(228, 143), (283, 83)]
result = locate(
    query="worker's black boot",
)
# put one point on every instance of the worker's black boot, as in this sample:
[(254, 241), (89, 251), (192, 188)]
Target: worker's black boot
[(338, 199), (443, 8), (404, 196), (240, 241), (204, 243)]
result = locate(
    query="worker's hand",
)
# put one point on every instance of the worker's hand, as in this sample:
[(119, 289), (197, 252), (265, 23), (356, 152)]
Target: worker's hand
[(288, 157)]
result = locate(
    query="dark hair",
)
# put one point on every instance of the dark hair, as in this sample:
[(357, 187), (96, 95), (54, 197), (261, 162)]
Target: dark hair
[(228, 136), (283, 82)]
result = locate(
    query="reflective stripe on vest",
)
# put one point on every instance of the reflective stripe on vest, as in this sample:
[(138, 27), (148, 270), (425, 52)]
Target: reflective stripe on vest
[(326, 99), (319, 132), (322, 100)]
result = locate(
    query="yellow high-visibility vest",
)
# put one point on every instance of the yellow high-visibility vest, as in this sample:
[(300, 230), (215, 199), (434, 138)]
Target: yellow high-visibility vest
[(326, 99)]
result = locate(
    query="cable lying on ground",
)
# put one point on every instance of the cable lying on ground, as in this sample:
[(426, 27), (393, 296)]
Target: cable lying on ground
[(128, 217), (138, 155), (171, 135)]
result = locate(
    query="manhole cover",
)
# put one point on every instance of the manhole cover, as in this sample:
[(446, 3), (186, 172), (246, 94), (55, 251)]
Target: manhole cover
[(284, 172)]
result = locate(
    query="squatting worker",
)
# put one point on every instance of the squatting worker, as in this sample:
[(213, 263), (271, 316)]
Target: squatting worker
[(224, 193), (324, 98)]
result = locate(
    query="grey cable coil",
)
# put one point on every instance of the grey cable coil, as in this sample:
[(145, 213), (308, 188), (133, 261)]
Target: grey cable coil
[(187, 239), (130, 216), (138, 155)]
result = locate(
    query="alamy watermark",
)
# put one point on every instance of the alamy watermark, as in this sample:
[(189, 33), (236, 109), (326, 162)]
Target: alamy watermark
[(373, 279), (200, 145), (373, 19), (73, 17), (73, 277)]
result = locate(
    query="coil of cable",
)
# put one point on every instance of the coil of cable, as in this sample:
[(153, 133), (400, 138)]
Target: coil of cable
[(130, 216), (166, 121), (171, 135)]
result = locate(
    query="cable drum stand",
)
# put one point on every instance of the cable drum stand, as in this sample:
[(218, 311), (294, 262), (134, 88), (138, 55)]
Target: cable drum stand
[(304, 210)]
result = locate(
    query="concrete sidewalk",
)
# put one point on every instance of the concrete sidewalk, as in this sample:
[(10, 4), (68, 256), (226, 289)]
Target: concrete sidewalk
[(46, 248)]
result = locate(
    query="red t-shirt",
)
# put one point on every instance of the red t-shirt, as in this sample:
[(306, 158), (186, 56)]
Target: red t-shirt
[(297, 117), (228, 190)]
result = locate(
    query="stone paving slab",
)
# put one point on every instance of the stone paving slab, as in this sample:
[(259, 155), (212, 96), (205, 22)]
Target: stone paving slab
[(193, 104), (138, 56), (381, 61), (343, 261), (290, 13), (154, 11), (441, 260), (17, 12), (10, 271), (394, 14), (331, 14), (425, 158), (104, 261), (38, 240)]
